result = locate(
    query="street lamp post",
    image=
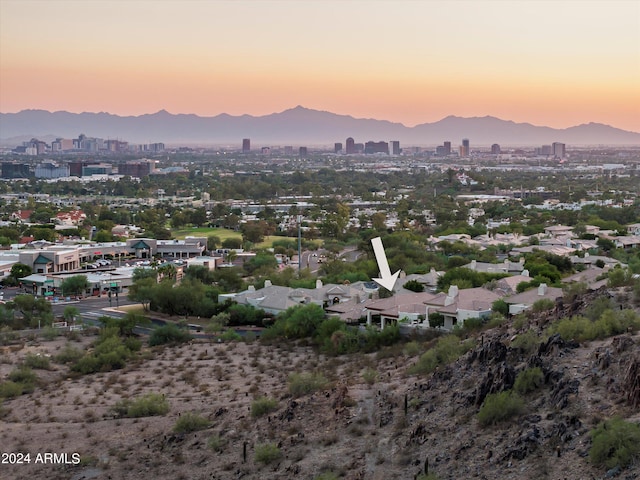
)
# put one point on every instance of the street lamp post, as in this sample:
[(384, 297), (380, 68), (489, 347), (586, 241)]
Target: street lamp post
[(299, 243)]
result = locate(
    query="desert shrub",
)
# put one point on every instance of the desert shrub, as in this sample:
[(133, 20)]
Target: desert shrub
[(430, 476), (267, 453), (305, 383), (10, 389), (190, 422), (498, 407), (527, 342), (331, 335), (500, 306), (328, 327), (69, 354), (496, 320), (37, 361), (263, 405), (411, 349), (615, 442), (372, 338), (133, 344), (519, 321), (50, 333), (528, 380), (542, 305), (230, 335), (110, 353), (327, 476), (146, 406), (23, 374), (370, 376), (445, 351), (168, 334), (597, 307), (216, 443), (470, 325), (611, 322), (102, 362)]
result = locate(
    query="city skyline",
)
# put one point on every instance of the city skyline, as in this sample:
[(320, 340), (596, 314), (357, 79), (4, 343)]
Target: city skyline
[(557, 64)]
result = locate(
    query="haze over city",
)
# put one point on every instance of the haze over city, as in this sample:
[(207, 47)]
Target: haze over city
[(557, 64)]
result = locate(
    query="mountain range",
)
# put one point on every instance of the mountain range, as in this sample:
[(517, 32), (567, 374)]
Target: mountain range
[(295, 126)]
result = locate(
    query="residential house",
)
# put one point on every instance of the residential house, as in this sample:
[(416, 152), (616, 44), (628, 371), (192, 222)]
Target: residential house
[(21, 216), (409, 307), (590, 277), (74, 218), (507, 267), (633, 229), (558, 230), (627, 242), (509, 285), (275, 299), (525, 300), (463, 304), (456, 306), (428, 280)]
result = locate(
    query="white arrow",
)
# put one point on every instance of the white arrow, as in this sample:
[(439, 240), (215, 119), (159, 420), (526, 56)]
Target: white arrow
[(387, 280)]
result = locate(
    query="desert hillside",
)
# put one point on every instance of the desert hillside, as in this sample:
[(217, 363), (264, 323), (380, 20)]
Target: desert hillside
[(235, 411)]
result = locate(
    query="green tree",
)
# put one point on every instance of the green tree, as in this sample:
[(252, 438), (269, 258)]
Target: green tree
[(212, 242), (70, 313), (126, 324), (35, 311), (378, 220), (167, 271), (74, 285), (143, 291), (20, 270), (232, 242), (140, 273), (414, 286), (198, 217)]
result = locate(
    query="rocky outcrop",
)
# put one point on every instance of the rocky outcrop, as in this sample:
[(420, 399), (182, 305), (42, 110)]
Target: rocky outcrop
[(631, 381), (555, 345)]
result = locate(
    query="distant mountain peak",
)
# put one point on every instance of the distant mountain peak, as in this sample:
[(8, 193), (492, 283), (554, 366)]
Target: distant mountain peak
[(300, 125)]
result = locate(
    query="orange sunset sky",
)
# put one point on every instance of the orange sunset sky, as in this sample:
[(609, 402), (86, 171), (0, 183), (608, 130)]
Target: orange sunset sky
[(557, 63)]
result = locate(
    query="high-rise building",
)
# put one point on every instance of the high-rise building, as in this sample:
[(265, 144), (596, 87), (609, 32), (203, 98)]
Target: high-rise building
[(246, 145), (376, 147), (62, 144), (15, 170), (395, 147), (136, 168), (51, 169), (464, 148), (351, 146), (337, 147), (288, 150), (447, 148), (495, 149), (558, 149), (302, 151)]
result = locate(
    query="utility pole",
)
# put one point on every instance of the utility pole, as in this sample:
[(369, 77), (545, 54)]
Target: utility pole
[(299, 244)]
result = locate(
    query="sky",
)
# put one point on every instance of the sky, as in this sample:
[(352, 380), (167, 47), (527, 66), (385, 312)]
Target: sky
[(557, 63)]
